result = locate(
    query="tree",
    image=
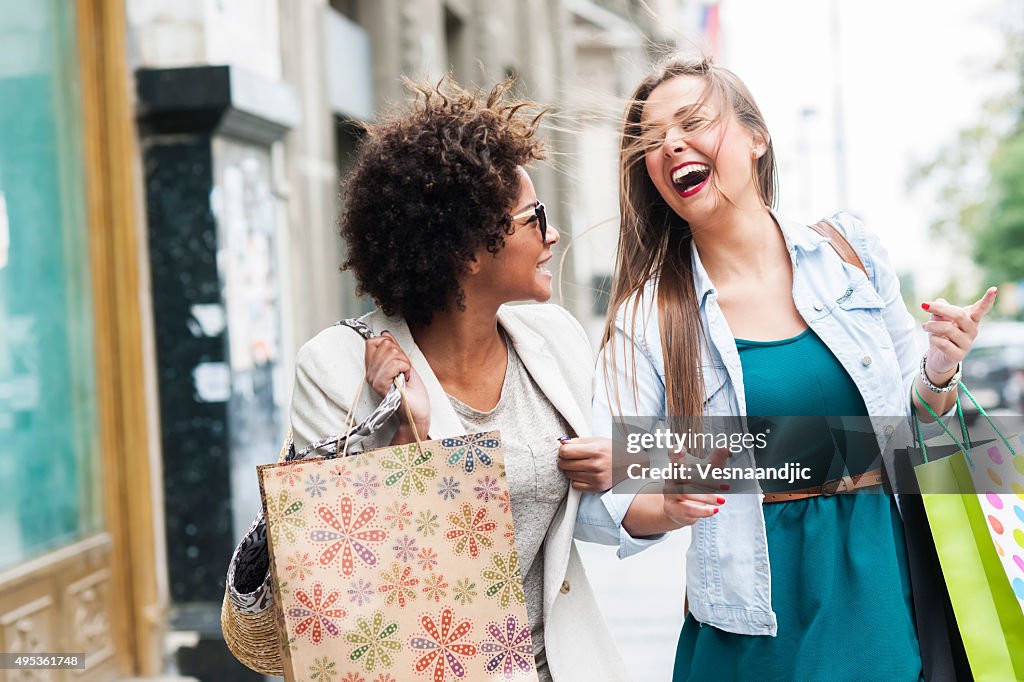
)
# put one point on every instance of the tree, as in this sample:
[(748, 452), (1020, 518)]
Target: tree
[(978, 179), (999, 239)]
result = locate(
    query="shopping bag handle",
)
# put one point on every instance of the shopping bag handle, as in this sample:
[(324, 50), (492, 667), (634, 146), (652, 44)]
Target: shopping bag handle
[(398, 383), (966, 445), (984, 414)]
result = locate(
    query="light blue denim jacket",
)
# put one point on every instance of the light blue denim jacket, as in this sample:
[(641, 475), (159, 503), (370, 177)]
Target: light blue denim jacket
[(865, 324)]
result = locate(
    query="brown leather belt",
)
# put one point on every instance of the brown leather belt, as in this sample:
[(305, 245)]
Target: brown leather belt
[(828, 488)]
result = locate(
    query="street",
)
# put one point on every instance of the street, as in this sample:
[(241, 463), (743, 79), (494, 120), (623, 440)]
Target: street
[(642, 600)]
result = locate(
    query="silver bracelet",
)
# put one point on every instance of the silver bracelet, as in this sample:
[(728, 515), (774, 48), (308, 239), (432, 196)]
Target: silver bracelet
[(954, 380)]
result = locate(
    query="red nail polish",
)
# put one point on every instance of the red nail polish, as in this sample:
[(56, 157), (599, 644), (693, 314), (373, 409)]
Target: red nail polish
[(926, 306), (716, 511), (720, 500)]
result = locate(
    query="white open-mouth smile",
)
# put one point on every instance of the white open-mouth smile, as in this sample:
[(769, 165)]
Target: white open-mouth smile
[(690, 178)]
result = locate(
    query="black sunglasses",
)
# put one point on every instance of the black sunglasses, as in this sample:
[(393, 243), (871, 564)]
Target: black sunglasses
[(537, 213)]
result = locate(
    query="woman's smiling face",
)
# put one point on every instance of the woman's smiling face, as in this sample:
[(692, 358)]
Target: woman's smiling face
[(519, 270), (697, 152)]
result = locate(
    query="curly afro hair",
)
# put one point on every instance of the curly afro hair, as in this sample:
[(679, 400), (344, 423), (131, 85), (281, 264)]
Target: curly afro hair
[(431, 186)]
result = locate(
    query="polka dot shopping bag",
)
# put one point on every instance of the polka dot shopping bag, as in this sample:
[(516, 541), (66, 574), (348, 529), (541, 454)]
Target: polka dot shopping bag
[(974, 501)]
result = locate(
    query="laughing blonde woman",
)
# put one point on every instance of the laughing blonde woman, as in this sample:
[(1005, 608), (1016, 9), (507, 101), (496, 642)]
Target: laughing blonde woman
[(722, 307)]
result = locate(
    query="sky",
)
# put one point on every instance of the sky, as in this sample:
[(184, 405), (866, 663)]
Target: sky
[(912, 73)]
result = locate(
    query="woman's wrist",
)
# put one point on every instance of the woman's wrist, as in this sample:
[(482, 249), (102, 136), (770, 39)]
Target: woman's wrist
[(944, 381), (940, 379), (669, 524), (422, 422), (924, 397), (646, 516), (404, 434)]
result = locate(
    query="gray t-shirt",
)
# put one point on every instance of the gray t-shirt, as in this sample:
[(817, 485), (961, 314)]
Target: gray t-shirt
[(530, 427)]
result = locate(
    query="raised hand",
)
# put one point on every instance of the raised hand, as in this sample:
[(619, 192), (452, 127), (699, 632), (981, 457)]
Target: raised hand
[(951, 332), (385, 360)]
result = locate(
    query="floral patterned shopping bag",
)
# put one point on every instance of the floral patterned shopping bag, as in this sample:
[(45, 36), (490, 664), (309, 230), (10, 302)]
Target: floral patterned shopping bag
[(398, 564)]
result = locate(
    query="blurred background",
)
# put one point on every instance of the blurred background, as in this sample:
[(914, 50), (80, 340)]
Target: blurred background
[(169, 186)]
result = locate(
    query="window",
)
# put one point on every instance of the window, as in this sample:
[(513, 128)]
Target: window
[(49, 465)]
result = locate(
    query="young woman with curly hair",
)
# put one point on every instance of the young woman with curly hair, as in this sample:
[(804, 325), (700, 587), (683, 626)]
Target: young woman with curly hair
[(444, 228), (723, 309)]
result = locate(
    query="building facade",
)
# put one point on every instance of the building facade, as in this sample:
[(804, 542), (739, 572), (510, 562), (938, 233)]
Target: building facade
[(81, 566), (169, 191)]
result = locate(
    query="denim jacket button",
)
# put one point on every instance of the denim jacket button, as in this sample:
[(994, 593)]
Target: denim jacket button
[(818, 306), (565, 587), (888, 429), (866, 360)]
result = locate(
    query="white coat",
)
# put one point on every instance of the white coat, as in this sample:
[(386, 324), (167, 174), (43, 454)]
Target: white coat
[(555, 350)]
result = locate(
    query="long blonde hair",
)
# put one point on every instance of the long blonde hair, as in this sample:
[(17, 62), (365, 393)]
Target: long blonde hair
[(654, 242)]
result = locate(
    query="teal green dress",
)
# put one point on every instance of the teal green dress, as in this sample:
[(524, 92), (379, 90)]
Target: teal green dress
[(840, 581)]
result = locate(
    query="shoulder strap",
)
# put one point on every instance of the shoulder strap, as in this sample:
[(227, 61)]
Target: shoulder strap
[(841, 244), (356, 325)]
